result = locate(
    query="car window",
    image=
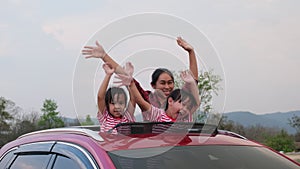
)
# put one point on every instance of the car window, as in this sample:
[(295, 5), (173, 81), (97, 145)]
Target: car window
[(74, 154), (63, 162), (32, 161), (208, 157), (48, 155), (7, 157)]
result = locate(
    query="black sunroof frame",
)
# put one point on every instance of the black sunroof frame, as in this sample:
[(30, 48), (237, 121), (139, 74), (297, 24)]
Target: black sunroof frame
[(162, 127)]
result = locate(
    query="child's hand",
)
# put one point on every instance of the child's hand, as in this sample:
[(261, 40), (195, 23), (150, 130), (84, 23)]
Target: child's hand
[(128, 69), (186, 46), (94, 51), (187, 76), (108, 69), (125, 79)]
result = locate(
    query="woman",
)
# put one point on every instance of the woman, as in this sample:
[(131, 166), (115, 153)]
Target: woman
[(177, 102), (162, 79)]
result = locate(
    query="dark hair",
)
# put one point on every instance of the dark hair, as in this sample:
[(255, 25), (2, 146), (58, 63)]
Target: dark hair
[(111, 92), (175, 95), (179, 94), (158, 72)]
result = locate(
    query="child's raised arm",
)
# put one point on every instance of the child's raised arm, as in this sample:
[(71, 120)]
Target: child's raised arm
[(128, 69), (127, 80), (103, 87), (143, 104), (191, 87)]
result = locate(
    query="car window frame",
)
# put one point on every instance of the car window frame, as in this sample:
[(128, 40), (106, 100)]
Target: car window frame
[(9, 152), (86, 153), (54, 149)]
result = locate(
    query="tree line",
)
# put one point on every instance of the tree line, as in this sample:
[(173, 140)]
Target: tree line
[(15, 122), (276, 138)]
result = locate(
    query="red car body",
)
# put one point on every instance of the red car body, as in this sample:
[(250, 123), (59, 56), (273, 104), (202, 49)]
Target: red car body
[(100, 145)]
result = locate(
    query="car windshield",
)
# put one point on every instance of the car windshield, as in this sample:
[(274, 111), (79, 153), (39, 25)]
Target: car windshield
[(208, 157)]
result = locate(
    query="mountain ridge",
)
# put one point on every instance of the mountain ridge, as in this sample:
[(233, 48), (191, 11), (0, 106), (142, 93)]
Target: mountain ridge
[(277, 119)]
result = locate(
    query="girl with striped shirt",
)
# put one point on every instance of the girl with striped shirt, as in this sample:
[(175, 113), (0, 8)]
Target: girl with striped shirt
[(176, 102), (162, 79), (112, 104)]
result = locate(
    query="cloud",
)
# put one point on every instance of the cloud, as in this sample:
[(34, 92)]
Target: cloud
[(257, 41), (71, 31)]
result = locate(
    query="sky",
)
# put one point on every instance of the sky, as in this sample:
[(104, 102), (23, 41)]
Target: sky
[(254, 43)]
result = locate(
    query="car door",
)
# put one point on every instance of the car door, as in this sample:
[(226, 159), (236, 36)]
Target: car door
[(68, 155), (48, 155), (33, 156)]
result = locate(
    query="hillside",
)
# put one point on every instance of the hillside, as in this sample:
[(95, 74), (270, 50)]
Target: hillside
[(273, 120), (278, 119)]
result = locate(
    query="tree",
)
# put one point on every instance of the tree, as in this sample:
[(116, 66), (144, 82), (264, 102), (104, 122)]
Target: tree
[(50, 118), (25, 123), (230, 125), (5, 120), (4, 115), (295, 123), (281, 142), (88, 121), (208, 84), (226, 124)]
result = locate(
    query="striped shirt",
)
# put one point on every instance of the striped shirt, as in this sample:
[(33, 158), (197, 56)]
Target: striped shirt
[(187, 118), (107, 121), (157, 115)]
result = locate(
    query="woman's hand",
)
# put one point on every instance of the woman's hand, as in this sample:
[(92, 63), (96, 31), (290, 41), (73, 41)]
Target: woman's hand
[(186, 46), (94, 51)]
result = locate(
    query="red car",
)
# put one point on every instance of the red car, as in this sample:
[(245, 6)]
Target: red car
[(140, 145)]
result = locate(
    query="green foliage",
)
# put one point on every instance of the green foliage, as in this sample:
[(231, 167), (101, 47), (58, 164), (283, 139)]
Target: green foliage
[(208, 85), (226, 124), (5, 120), (5, 117), (281, 142), (295, 123), (229, 125), (15, 122), (23, 127), (277, 139), (88, 121), (25, 123), (50, 118)]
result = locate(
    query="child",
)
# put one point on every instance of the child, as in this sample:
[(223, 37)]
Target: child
[(162, 79), (174, 101), (112, 104)]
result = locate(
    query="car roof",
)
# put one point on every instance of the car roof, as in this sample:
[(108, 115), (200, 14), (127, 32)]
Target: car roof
[(114, 143), (158, 134), (86, 136)]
